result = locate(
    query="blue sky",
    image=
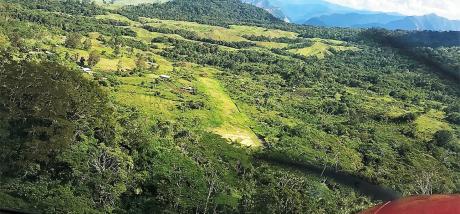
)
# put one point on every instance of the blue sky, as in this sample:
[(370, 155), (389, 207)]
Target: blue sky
[(446, 8)]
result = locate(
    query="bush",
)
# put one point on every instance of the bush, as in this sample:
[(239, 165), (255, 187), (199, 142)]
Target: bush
[(443, 137), (407, 118), (73, 40), (454, 118)]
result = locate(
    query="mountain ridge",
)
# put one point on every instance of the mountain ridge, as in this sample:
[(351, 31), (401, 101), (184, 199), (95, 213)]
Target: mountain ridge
[(326, 14), (387, 21), (203, 11)]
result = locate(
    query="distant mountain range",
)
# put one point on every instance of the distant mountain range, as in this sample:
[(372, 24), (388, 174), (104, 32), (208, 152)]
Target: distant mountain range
[(299, 11), (388, 21), (323, 13), (353, 19)]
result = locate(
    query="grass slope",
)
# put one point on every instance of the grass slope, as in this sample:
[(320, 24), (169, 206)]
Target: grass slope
[(233, 33), (226, 118), (321, 49), (222, 116)]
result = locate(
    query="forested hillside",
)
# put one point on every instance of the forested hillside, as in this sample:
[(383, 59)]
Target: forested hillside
[(215, 106), (215, 12)]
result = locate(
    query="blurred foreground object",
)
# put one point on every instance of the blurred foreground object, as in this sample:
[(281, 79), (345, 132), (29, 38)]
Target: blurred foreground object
[(435, 204)]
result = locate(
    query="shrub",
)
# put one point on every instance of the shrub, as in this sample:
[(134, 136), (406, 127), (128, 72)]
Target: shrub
[(443, 137)]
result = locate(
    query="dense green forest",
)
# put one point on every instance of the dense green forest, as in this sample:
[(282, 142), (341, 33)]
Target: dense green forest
[(216, 12), (215, 106)]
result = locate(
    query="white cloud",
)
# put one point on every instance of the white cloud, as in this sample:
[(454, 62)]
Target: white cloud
[(446, 8)]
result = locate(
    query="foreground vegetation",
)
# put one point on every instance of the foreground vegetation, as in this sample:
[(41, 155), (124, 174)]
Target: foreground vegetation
[(185, 111)]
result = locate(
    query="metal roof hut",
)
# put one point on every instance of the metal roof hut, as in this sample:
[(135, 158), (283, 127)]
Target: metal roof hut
[(86, 70), (166, 77)]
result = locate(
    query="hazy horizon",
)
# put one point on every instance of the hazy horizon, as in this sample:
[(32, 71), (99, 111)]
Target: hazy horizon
[(445, 8)]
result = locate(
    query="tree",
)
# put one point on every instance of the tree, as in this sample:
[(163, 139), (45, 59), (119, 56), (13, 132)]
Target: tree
[(117, 50), (102, 38), (119, 65), (17, 40), (94, 58), (82, 61), (141, 62), (87, 44), (73, 40), (453, 113), (49, 119), (130, 51), (454, 117), (443, 137)]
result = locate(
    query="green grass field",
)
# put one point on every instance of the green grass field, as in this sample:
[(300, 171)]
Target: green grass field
[(226, 119), (220, 116), (321, 49), (234, 33), (429, 123), (271, 44)]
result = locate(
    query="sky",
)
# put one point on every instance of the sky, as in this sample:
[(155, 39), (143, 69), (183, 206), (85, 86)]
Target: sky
[(447, 8)]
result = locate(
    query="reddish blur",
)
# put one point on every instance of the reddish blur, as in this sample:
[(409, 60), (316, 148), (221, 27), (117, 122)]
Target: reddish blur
[(435, 204)]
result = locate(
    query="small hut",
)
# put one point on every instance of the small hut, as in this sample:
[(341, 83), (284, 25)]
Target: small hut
[(165, 77), (190, 90), (86, 70)]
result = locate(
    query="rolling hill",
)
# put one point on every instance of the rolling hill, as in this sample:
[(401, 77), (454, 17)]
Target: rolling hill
[(206, 11)]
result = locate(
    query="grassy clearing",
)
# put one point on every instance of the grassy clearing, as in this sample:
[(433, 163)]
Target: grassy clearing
[(271, 44), (117, 17), (133, 94), (145, 35), (141, 33), (220, 116), (234, 33), (429, 123), (318, 49), (260, 31), (205, 31), (327, 41), (321, 49), (142, 99), (81, 53), (226, 119), (395, 112)]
